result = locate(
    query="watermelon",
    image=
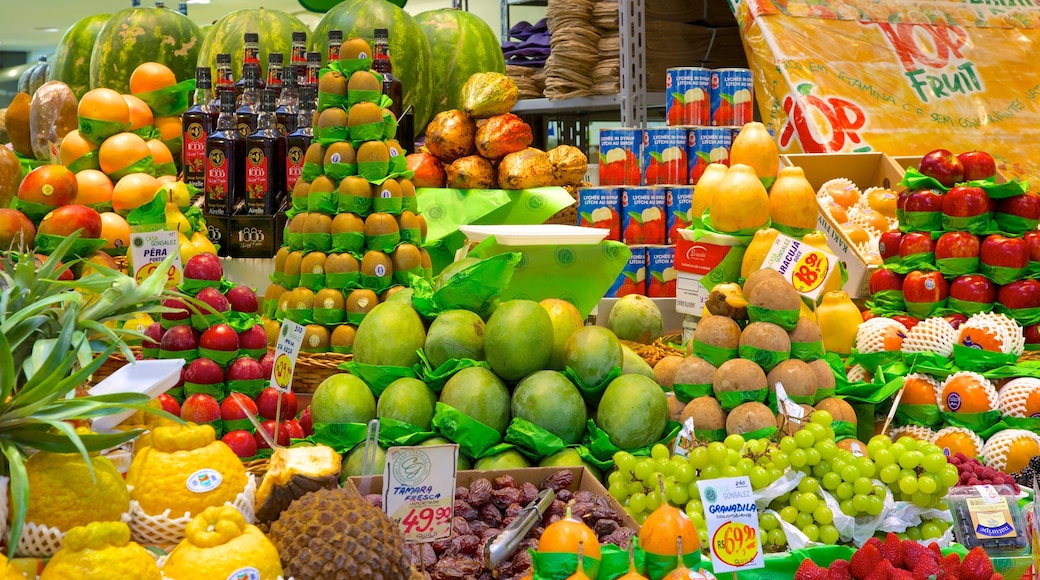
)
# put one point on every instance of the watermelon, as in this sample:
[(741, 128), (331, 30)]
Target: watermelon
[(225, 35), (137, 35), (409, 49), (461, 44), (34, 76), (72, 58)]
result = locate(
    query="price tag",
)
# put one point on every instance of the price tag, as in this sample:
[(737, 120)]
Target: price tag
[(419, 490), (732, 518), (148, 250), (806, 266), (790, 408), (290, 339), (685, 439)]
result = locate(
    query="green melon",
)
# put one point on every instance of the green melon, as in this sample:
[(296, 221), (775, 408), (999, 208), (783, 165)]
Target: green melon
[(519, 339), (391, 335), (408, 400), (354, 462), (226, 35), (137, 35), (72, 58), (549, 399), (409, 49), (463, 463), (633, 411), (461, 44), (506, 460), (592, 353), (481, 395), (455, 334), (343, 398)]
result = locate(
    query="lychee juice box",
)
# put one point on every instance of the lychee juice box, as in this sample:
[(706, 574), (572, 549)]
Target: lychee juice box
[(619, 150), (677, 204), (732, 95), (632, 279), (664, 156), (660, 271), (600, 207), (643, 215), (707, 145)]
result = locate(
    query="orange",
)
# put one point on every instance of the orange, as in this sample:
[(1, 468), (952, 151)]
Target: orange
[(114, 230), (93, 187), (882, 201), (1019, 452), (104, 105), (73, 146), (856, 234), (1033, 404), (122, 150), (169, 129), (957, 442), (981, 338), (965, 393), (151, 76), (140, 113), (133, 191), (918, 391), (893, 339), (160, 152)]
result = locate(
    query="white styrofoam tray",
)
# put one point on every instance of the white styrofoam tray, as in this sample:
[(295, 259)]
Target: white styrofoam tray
[(151, 377)]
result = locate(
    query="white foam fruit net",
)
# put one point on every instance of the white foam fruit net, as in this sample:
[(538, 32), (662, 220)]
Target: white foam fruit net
[(1008, 333), (836, 185), (1013, 396), (922, 378), (931, 335), (996, 449), (916, 431), (42, 541), (166, 530), (859, 374), (943, 439), (871, 335), (946, 389)]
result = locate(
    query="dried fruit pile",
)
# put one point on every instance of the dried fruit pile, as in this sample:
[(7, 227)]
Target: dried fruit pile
[(899, 560)]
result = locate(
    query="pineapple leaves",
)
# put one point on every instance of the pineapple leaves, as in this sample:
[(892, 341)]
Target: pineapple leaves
[(15, 460)]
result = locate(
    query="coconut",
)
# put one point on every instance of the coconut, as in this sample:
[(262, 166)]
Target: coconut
[(749, 417), (838, 408), (665, 369), (718, 331), (706, 412), (797, 377), (739, 375), (824, 374)]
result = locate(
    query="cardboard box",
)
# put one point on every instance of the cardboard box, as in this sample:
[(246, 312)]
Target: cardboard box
[(583, 481), (863, 169)]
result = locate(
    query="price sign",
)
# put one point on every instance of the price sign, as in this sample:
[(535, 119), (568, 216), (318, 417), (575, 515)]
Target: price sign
[(807, 267), (810, 271), (290, 339), (148, 250), (419, 490), (732, 518)]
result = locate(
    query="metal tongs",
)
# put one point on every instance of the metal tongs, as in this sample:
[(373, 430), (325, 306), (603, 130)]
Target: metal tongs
[(504, 544)]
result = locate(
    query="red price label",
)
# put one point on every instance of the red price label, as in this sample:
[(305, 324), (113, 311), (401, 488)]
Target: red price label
[(810, 272), (424, 523), (173, 275), (735, 543)]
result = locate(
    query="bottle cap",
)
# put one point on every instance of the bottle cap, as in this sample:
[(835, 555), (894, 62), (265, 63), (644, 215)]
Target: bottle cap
[(314, 57), (223, 58), (252, 37), (274, 58), (335, 35), (381, 33), (299, 36)]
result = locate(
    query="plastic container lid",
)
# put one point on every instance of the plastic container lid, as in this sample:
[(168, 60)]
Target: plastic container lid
[(150, 377)]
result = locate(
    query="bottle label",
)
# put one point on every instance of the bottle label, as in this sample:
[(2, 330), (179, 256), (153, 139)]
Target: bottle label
[(333, 52), (217, 181), (194, 147), (299, 53), (248, 573), (224, 77), (293, 166), (251, 54), (244, 129), (257, 180)]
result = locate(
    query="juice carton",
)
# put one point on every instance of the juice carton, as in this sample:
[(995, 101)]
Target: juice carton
[(642, 215), (599, 207), (632, 279), (677, 209), (661, 274)]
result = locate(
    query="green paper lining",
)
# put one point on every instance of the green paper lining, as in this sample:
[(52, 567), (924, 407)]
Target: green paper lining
[(730, 400), (1001, 275), (221, 357), (310, 171), (313, 281), (921, 221), (383, 242), (532, 440), (376, 283), (390, 205), (767, 359), (1015, 225), (187, 355), (957, 266), (331, 100), (350, 66), (313, 242), (337, 171), (80, 248), (342, 280), (968, 308), (377, 377), (473, 437), (144, 165), (249, 387), (687, 392), (925, 415), (169, 101), (763, 433), (329, 316), (325, 202), (230, 425), (363, 96), (215, 390), (973, 359), (353, 242), (302, 316), (96, 130), (922, 310), (358, 134), (373, 171), (973, 421), (807, 351), (978, 225), (326, 136), (355, 204), (843, 430), (715, 355), (88, 160), (786, 319), (592, 393)]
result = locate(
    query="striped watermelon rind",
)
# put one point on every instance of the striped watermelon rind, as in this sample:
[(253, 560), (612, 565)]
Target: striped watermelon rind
[(226, 35), (72, 58), (461, 44), (409, 49), (137, 35)]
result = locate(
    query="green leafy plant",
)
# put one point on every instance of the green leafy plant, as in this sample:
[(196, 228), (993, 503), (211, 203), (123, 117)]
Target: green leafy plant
[(54, 334)]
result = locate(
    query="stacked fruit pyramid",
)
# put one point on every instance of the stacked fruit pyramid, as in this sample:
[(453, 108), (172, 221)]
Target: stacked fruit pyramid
[(354, 236)]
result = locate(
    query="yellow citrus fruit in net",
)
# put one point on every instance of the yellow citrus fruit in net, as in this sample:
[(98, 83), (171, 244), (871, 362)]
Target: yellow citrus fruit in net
[(185, 470), (218, 543), (63, 494), (101, 550)]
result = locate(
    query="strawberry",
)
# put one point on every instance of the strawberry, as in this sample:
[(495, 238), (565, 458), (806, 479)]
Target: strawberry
[(925, 568), (839, 570), (900, 574), (951, 565), (883, 571), (892, 550), (976, 565), (914, 552), (935, 549), (996, 576), (810, 571), (874, 541), (864, 561)]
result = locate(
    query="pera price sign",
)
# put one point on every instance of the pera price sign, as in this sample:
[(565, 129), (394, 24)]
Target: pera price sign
[(148, 251), (290, 339), (419, 490), (732, 518)]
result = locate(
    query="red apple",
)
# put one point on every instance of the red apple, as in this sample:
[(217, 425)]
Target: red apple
[(956, 319), (267, 402), (178, 310), (1033, 241), (204, 371), (169, 404), (965, 201), (231, 410), (901, 202), (243, 299), (1020, 294), (269, 427), (153, 334), (885, 279), (219, 337), (888, 244), (977, 165), (924, 288), (943, 166), (924, 201), (267, 363), (180, 338), (1032, 334), (200, 408), (293, 428), (998, 250), (241, 442), (214, 299), (1025, 206), (973, 288), (306, 422), (916, 243), (908, 322), (254, 338), (957, 245), (244, 368), (205, 266)]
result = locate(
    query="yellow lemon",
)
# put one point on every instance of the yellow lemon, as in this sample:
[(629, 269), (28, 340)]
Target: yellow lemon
[(219, 543), (64, 494), (100, 550)]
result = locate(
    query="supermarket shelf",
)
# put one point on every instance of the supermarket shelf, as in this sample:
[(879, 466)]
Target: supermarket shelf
[(527, 2), (595, 103)]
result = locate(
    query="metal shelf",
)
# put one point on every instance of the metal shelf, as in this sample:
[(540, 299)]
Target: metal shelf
[(578, 105)]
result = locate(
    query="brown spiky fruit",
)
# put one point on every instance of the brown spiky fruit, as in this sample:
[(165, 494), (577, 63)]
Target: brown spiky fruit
[(292, 473)]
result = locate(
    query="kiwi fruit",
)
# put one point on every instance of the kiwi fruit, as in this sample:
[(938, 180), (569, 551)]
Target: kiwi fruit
[(406, 257), (748, 417), (301, 189), (824, 374), (355, 48), (331, 117), (760, 276), (341, 264), (408, 221), (272, 328), (389, 293), (340, 152), (422, 227), (279, 258), (361, 301), (718, 331), (393, 145), (665, 368), (388, 189), (806, 331), (301, 298), (274, 293), (790, 425), (322, 184), (333, 82), (364, 113), (293, 262), (797, 378), (329, 299), (343, 336), (775, 294), (693, 370), (315, 337), (675, 406), (317, 223), (738, 375), (379, 224), (364, 80), (374, 152), (388, 113), (296, 225), (838, 408), (765, 336), (283, 304), (706, 412), (347, 222), (374, 262), (356, 186), (315, 154), (407, 187), (313, 263)]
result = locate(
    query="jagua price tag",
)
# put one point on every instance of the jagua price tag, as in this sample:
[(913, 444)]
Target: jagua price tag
[(732, 518), (685, 439), (148, 250), (806, 267), (290, 339), (789, 407), (419, 490)]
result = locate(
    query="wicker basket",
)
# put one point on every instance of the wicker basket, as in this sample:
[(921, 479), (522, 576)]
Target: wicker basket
[(567, 216)]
